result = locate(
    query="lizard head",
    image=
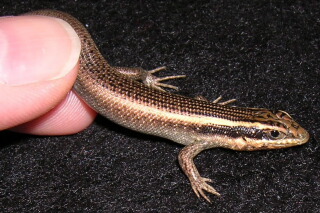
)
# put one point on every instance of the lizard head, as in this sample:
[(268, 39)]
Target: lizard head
[(271, 130)]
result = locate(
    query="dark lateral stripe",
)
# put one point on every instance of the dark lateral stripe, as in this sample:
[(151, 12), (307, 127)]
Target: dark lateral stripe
[(232, 132)]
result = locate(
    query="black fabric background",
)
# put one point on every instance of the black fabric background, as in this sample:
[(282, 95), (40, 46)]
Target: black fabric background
[(263, 53)]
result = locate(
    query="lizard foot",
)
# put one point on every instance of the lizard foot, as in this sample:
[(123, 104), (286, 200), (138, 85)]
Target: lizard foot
[(199, 185), (154, 82)]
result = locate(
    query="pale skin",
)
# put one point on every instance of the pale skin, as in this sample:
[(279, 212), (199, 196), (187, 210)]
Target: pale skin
[(35, 97)]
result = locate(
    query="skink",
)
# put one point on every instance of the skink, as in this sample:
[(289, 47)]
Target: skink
[(134, 98)]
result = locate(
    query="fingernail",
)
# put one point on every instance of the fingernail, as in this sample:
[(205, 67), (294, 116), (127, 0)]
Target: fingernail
[(36, 48)]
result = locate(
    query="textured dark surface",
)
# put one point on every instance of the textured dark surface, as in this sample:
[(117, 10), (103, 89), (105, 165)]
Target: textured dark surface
[(265, 54)]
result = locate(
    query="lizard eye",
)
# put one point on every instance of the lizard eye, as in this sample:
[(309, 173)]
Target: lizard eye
[(274, 135)]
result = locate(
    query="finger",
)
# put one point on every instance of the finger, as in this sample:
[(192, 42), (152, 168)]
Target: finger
[(71, 116), (38, 65)]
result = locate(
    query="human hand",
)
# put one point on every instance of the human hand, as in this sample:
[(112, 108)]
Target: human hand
[(38, 66)]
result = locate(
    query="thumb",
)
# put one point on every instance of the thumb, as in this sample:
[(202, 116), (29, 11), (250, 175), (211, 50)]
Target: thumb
[(38, 66)]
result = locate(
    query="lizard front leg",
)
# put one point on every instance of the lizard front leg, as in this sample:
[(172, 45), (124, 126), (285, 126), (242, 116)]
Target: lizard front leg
[(199, 184)]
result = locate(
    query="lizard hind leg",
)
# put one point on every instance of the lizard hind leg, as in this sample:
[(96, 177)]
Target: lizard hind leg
[(147, 77)]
